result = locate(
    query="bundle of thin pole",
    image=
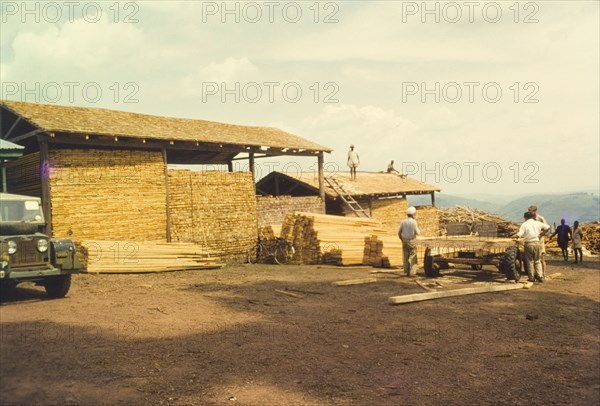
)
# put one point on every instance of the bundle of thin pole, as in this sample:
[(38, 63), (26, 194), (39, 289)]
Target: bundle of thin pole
[(506, 228)]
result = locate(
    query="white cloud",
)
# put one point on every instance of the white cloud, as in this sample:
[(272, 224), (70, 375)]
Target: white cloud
[(76, 49), (229, 71)]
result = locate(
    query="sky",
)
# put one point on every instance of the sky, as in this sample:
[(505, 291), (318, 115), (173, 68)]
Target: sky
[(476, 97)]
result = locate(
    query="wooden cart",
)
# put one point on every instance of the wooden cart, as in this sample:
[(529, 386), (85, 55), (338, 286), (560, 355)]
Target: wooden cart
[(476, 251)]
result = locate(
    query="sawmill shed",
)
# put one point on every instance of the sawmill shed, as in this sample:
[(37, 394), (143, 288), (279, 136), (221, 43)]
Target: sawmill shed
[(383, 196), (104, 174)]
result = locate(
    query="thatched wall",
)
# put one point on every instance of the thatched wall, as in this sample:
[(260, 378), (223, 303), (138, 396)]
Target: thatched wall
[(108, 194), (428, 219), (215, 209), (389, 212), (272, 209)]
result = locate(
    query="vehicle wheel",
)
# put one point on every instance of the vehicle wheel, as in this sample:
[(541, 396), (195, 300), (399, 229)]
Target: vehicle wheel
[(57, 286), (510, 264), (431, 269), (476, 267), (284, 254)]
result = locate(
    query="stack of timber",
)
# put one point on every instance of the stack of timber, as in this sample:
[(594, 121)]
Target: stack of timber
[(320, 238), (108, 194), (506, 228), (99, 256), (23, 175), (216, 209), (373, 253), (385, 251)]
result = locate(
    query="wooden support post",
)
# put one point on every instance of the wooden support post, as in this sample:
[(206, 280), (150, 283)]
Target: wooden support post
[(45, 180), (251, 163), (4, 186), (164, 153), (276, 184), (433, 199), (230, 166), (320, 162)]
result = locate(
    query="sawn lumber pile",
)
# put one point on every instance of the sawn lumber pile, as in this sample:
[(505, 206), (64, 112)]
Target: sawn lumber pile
[(506, 228), (23, 175), (133, 256), (321, 238), (383, 251)]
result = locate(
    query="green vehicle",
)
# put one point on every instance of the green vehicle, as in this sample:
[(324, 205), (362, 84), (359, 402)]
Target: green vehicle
[(27, 253)]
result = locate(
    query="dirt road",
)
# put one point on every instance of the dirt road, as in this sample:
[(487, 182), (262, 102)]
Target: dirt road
[(226, 337)]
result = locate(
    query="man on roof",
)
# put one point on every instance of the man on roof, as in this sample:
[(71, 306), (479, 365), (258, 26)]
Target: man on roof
[(353, 162), (391, 169)]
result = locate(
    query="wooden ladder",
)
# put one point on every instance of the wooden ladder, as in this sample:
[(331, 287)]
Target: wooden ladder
[(346, 197)]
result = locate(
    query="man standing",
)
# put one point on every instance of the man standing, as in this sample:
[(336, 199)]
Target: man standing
[(564, 236), (408, 232), (353, 162), (538, 217), (531, 231)]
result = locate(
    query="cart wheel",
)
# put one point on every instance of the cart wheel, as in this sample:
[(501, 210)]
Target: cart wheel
[(510, 264), (284, 254), (431, 269), (476, 267)]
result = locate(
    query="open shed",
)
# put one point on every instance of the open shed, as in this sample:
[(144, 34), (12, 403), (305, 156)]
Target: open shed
[(382, 195), (103, 174)]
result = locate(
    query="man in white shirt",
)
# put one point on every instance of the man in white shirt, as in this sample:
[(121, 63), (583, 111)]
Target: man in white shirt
[(531, 231), (408, 232), (538, 217), (353, 162)]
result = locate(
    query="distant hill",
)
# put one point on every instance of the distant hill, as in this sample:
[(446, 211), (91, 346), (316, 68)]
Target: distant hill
[(584, 207), (443, 200)]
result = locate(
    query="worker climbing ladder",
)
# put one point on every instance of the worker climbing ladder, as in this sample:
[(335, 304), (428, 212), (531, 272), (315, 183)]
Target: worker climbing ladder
[(346, 197)]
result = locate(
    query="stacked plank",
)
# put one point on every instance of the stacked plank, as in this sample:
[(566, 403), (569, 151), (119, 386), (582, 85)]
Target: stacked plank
[(108, 194), (115, 256), (373, 253), (23, 175), (216, 209), (320, 238), (385, 251), (506, 228)]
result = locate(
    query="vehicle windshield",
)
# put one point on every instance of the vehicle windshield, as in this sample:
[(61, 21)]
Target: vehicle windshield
[(26, 211)]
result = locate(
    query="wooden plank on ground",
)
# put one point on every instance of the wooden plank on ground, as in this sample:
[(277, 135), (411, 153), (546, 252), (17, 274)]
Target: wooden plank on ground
[(417, 297), (283, 292), (354, 282)]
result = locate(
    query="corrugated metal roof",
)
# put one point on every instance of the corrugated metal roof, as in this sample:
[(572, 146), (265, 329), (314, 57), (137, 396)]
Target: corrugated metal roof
[(7, 145)]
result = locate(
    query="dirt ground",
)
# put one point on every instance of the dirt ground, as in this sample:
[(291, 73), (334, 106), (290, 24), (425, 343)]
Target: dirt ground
[(226, 337)]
